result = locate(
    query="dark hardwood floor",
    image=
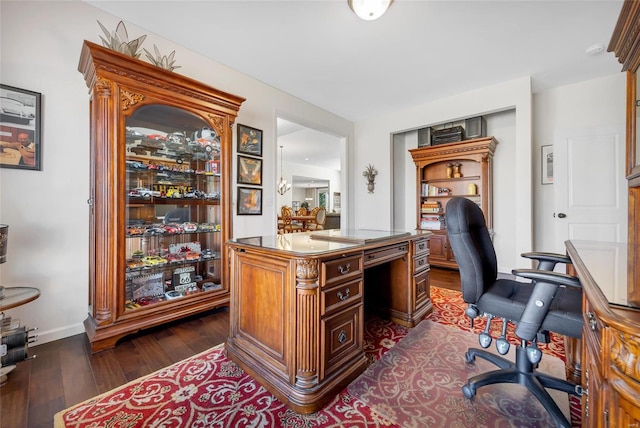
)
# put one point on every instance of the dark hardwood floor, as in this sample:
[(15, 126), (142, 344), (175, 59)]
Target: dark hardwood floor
[(65, 372), (444, 278)]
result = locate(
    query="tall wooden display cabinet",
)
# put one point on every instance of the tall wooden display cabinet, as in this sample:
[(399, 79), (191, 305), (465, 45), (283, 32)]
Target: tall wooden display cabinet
[(160, 202)]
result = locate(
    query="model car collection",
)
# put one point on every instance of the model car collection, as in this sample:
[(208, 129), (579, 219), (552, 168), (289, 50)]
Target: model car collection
[(171, 228), (201, 145), (170, 164)]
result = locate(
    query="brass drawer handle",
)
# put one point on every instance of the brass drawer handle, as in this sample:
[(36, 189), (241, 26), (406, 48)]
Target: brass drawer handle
[(344, 296), (344, 269), (592, 321), (421, 262), (342, 336), (421, 246), (421, 289)]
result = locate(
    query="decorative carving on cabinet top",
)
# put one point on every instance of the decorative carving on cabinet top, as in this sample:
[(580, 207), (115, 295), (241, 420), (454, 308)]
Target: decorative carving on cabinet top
[(625, 36), (218, 123), (128, 99), (306, 269), (625, 351), (102, 84), (467, 147), (169, 87)]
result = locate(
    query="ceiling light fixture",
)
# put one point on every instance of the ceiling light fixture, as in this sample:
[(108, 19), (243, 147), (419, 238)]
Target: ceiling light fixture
[(369, 9), (283, 186)]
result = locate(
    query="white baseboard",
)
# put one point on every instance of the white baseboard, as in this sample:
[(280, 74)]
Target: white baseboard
[(46, 336)]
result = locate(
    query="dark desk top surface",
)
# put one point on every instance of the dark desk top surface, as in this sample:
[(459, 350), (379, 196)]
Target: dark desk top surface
[(606, 263)]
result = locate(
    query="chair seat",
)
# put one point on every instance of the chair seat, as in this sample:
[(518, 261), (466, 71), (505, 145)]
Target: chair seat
[(507, 298)]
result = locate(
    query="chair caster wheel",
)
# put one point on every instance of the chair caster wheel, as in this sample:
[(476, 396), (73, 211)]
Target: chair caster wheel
[(469, 358), (468, 391)]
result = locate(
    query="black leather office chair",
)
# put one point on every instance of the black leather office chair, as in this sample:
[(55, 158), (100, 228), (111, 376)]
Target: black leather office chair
[(552, 301)]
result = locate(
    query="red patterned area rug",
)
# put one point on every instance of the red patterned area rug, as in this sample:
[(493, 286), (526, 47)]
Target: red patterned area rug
[(208, 390), (417, 384)]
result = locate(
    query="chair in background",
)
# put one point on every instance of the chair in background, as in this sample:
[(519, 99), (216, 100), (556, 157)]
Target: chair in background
[(302, 211), (320, 215), (552, 301), (286, 213), (280, 222)]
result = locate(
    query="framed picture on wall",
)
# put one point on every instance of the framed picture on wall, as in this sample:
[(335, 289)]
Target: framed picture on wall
[(249, 140), (547, 164), (249, 170), (20, 118), (249, 201)]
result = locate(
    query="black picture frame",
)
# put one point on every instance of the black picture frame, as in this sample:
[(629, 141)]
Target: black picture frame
[(249, 170), (20, 123), (249, 201), (249, 140), (547, 164)]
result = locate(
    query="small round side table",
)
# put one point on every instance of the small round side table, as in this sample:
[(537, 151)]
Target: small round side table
[(11, 297)]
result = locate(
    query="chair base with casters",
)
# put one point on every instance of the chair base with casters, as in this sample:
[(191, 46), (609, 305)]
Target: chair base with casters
[(521, 372), (548, 301)]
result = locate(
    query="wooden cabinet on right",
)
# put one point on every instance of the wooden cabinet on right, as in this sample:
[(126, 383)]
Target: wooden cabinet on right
[(447, 170), (610, 336)]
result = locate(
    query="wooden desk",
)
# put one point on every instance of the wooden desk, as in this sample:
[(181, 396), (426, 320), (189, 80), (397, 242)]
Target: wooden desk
[(297, 305), (610, 337)]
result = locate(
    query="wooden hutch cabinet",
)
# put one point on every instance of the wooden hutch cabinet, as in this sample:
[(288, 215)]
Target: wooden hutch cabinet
[(610, 275), (160, 195), (448, 170)]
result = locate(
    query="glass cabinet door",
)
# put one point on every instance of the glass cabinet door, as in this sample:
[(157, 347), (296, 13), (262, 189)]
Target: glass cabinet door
[(172, 210)]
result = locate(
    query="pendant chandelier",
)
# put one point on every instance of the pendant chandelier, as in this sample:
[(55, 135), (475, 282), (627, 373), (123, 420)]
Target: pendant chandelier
[(283, 186), (369, 9)]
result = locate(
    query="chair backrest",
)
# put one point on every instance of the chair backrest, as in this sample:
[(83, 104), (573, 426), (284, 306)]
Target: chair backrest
[(472, 247), (286, 213), (321, 216), (302, 211)]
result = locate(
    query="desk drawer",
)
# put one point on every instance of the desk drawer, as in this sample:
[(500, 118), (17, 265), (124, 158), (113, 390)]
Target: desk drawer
[(420, 263), (342, 334), (420, 246), (341, 296), (374, 257), (342, 269)]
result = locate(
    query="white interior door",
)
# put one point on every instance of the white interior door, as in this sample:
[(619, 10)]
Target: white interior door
[(590, 187)]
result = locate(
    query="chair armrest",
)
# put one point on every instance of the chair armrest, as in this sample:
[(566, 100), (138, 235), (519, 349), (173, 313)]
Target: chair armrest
[(548, 276), (546, 284), (547, 261)]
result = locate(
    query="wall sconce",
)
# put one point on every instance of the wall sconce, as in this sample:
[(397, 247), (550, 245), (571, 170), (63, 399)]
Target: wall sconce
[(370, 173)]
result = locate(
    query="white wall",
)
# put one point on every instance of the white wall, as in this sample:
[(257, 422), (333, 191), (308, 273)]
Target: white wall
[(47, 211), (591, 104), (512, 161)]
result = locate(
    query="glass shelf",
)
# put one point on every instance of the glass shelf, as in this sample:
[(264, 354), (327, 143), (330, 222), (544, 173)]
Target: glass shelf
[(12, 297)]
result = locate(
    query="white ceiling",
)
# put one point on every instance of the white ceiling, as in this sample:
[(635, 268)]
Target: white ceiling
[(419, 51)]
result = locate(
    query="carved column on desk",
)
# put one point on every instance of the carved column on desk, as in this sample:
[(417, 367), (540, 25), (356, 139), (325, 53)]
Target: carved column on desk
[(307, 323)]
